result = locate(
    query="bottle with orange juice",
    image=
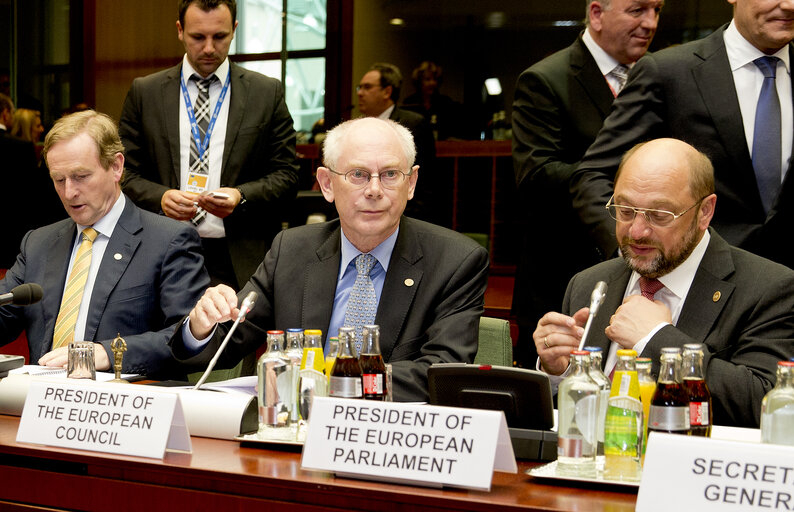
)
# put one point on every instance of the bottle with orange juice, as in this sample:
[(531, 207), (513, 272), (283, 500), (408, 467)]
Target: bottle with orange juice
[(647, 388)]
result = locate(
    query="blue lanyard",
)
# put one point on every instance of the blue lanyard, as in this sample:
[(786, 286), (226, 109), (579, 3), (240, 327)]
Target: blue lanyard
[(201, 145)]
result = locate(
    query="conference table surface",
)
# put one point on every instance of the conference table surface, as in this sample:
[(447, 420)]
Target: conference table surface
[(227, 475)]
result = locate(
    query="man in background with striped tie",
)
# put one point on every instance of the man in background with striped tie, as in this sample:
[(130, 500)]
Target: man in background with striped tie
[(679, 282), (110, 269), (560, 104)]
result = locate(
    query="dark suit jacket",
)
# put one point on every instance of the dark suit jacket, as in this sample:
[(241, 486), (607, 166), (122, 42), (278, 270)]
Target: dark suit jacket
[(151, 274), (740, 305), (30, 201), (560, 104), (431, 319), (258, 154), (687, 92), (428, 203)]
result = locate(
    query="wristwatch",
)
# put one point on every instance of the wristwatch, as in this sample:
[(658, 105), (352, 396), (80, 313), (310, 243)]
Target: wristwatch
[(242, 197)]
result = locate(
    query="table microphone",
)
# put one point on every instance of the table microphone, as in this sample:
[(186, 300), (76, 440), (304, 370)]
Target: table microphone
[(596, 299), (245, 307), (22, 295)]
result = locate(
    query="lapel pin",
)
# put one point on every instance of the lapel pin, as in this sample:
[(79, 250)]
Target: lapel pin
[(409, 282), (716, 296), (117, 256)]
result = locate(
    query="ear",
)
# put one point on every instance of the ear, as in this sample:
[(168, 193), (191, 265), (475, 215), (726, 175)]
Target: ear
[(117, 167), (595, 16), (412, 179), (386, 91), (324, 180), (179, 31), (706, 211)]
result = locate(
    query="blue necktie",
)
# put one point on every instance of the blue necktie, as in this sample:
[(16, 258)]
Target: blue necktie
[(766, 137), (362, 304)]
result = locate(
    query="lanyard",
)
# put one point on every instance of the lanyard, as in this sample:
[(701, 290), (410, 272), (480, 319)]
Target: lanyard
[(201, 145)]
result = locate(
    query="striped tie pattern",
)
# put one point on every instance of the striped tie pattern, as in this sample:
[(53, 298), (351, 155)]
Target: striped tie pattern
[(621, 74), (362, 304), (201, 110), (73, 294)]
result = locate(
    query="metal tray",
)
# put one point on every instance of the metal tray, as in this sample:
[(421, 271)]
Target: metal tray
[(549, 471)]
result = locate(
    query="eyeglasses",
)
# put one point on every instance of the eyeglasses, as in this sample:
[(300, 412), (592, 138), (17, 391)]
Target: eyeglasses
[(391, 178), (366, 87), (656, 218)]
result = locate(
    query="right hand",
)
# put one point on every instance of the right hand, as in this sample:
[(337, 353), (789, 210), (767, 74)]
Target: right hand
[(178, 204), (218, 304), (556, 336)]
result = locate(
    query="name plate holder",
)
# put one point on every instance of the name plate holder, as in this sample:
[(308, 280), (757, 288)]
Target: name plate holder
[(412, 444), (697, 473), (101, 417)]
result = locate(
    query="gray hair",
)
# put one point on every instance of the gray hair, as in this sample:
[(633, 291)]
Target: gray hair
[(335, 140)]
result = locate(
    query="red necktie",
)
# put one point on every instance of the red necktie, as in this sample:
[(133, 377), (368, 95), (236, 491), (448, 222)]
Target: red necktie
[(649, 287)]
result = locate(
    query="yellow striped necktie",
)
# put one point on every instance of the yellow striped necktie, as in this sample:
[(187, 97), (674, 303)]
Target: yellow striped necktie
[(73, 294)]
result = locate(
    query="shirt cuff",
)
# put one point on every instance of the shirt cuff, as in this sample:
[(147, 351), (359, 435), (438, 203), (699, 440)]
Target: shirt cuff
[(554, 380), (192, 345), (640, 345)]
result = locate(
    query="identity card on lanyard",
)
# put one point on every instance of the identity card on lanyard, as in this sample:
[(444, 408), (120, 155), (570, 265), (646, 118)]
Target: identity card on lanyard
[(197, 182)]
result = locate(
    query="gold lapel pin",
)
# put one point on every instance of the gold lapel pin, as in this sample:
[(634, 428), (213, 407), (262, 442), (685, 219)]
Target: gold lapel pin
[(409, 282), (716, 296)]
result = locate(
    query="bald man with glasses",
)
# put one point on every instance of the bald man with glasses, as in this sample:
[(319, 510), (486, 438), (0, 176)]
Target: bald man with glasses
[(425, 284), (679, 282)]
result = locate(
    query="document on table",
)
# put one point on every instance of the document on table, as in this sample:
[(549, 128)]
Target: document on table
[(49, 371)]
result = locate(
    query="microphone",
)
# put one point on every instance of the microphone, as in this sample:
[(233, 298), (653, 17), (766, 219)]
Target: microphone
[(596, 299), (22, 295), (245, 307)]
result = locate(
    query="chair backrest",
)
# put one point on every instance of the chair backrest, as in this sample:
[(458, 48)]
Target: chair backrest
[(495, 343)]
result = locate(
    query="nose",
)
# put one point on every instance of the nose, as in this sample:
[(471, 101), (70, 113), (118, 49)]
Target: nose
[(640, 228), (373, 188), (69, 189), (650, 19), (209, 46)]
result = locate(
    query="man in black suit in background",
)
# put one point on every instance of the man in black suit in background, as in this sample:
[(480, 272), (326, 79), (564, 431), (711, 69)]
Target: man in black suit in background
[(378, 93), (233, 191), (560, 104), (709, 93)]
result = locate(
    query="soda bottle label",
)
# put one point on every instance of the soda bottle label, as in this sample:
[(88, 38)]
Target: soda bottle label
[(373, 383), (345, 387), (698, 414), (668, 418)]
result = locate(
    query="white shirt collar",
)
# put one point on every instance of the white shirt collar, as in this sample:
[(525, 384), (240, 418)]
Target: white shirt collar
[(679, 280), (107, 224), (604, 61), (386, 114), (382, 252), (187, 70), (741, 52)]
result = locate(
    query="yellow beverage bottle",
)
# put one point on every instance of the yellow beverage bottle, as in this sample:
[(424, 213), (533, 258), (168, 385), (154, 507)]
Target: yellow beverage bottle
[(330, 357), (313, 350), (624, 422), (647, 388)]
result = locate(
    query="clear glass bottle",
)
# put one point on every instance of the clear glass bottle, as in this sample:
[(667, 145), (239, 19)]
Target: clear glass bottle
[(700, 411), (669, 411), (624, 422), (604, 386), (271, 369), (577, 405), (313, 381), (346, 374), (330, 355), (292, 355), (777, 408), (647, 389), (373, 370)]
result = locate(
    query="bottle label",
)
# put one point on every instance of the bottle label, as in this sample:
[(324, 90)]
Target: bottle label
[(668, 418), (345, 387), (373, 383), (570, 447), (698, 414)]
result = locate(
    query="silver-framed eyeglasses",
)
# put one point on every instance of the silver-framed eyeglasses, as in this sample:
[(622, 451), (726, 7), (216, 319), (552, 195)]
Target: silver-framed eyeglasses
[(656, 218), (390, 178)]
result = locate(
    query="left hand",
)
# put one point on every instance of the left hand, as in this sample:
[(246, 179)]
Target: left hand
[(220, 207), (634, 319), (59, 358)]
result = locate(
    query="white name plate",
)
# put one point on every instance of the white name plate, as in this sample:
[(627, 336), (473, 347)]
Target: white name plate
[(697, 473), (408, 443), (110, 418)]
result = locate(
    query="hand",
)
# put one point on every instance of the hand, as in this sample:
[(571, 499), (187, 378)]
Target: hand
[(220, 207), (634, 319), (179, 205), (59, 358), (218, 304), (556, 336)]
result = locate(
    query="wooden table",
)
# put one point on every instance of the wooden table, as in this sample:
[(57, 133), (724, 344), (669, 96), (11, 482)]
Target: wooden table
[(223, 475)]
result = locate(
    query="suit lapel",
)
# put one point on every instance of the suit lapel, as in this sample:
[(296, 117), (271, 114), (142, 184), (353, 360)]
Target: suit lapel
[(319, 284), (170, 89), (402, 281), (709, 292), (238, 98), (58, 254), (589, 78), (118, 255)]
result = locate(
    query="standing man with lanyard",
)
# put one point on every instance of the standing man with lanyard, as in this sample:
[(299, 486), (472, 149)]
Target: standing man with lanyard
[(212, 143)]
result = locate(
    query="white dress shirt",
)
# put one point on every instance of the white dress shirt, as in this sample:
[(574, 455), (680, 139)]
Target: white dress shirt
[(604, 61)]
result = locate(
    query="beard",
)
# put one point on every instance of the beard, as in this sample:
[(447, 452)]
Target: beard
[(665, 261)]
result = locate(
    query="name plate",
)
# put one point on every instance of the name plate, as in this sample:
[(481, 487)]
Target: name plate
[(696, 473), (110, 418), (408, 443)]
